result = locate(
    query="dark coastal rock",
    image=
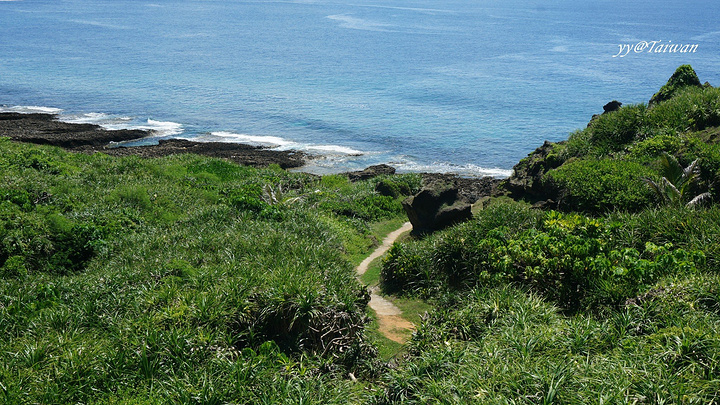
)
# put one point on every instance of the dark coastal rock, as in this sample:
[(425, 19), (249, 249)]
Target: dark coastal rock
[(370, 172), (44, 129), (246, 155), (593, 119), (526, 180), (545, 205), (684, 76), (469, 189), (435, 207), (611, 106)]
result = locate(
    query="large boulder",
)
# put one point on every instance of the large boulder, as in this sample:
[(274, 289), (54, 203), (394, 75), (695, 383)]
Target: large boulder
[(435, 207), (611, 106)]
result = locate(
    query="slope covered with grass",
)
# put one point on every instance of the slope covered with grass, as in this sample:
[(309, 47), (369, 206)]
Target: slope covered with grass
[(182, 279)]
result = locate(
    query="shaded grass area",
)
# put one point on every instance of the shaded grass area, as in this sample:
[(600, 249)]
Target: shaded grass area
[(182, 279)]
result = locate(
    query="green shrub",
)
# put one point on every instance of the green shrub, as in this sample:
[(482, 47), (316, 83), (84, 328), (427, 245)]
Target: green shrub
[(650, 149), (14, 267), (38, 159), (406, 269), (74, 247), (596, 186), (363, 206), (21, 198), (682, 227), (399, 185), (692, 108), (578, 145), (424, 266), (611, 132)]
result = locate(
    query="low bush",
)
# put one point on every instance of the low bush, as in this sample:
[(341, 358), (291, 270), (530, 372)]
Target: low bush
[(597, 186), (611, 132)]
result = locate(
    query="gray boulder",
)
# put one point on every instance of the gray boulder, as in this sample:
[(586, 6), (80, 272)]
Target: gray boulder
[(435, 207)]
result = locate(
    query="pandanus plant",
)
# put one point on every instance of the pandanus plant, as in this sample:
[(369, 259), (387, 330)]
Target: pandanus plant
[(674, 185)]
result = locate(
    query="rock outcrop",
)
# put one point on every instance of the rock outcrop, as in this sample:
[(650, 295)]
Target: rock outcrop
[(526, 180), (435, 207), (44, 129), (611, 106), (370, 172)]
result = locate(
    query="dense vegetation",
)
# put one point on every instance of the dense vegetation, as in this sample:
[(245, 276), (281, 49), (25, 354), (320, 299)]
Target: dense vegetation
[(194, 280), (615, 300), (183, 279)]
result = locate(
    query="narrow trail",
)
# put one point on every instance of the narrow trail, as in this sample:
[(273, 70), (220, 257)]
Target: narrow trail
[(392, 324)]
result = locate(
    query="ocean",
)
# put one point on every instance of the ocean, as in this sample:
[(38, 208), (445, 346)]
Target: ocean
[(461, 86)]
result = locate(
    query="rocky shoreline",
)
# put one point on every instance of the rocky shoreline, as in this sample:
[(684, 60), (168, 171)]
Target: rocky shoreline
[(45, 129)]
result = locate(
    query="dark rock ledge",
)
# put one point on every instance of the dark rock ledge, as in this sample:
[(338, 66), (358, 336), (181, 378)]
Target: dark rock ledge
[(44, 129)]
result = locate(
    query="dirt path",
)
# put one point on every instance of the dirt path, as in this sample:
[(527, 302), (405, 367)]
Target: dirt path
[(391, 324)]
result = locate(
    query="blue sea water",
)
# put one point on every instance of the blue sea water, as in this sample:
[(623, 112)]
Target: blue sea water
[(465, 86)]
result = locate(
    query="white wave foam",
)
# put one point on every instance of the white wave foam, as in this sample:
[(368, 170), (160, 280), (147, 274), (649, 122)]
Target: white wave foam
[(275, 142), (30, 109), (271, 141), (334, 149), (160, 128), (347, 21), (461, 170), (113, 122), (106, 121)]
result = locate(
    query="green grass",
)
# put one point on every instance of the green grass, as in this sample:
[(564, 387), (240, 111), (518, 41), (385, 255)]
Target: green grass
[(413, 309), (371, 276), (505, 344), (182, 279), (360, 248), (387, 349)]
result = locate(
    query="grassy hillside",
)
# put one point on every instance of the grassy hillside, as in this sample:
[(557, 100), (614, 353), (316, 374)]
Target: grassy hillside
[(182, 279)]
